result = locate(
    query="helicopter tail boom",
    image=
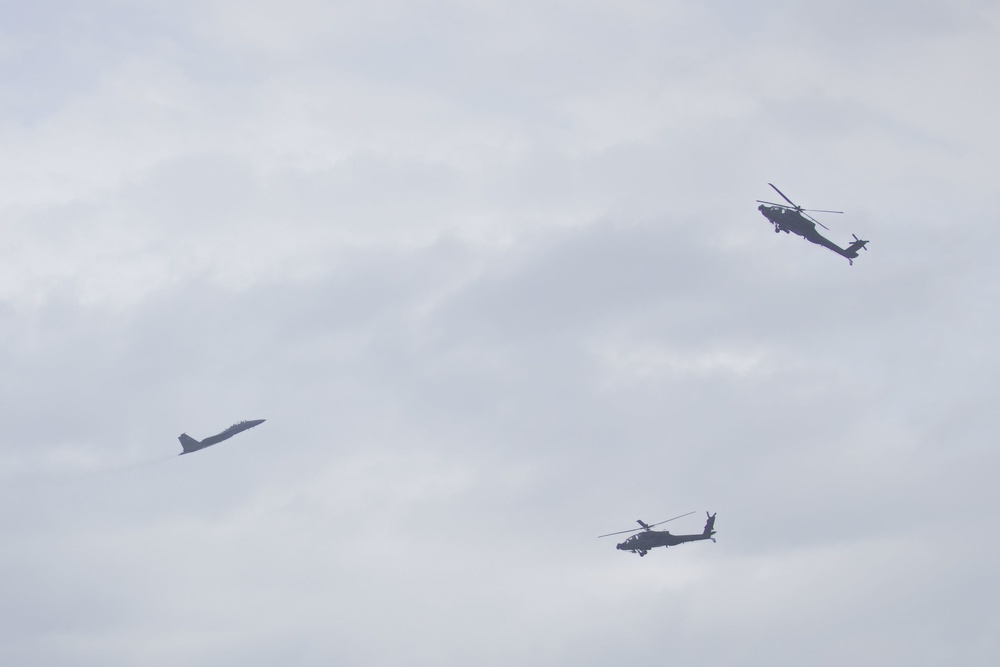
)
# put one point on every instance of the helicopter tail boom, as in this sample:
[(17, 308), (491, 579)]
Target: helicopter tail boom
[(852, 250), (709, 525)]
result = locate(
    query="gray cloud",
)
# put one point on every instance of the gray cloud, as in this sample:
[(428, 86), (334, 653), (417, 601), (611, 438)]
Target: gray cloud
[(494, 275)]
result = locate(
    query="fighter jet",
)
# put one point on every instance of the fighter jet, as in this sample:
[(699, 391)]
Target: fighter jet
[(189, 444)]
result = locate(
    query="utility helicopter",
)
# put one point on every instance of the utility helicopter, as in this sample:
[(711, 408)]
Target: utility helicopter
[(649, 538), (794, 219)]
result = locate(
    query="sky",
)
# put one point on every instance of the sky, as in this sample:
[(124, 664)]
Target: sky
[(494, 275)]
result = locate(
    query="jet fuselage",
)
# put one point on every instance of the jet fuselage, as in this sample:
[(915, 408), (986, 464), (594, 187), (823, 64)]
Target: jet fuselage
[(189, 444)]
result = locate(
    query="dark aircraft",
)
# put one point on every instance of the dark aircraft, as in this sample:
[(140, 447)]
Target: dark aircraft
[(649, 538), (191, 445), (794, 219)]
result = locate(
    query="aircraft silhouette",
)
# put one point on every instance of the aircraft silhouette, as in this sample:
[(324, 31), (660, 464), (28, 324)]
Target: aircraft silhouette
[(794, 219), (649, 538), (189, 444)]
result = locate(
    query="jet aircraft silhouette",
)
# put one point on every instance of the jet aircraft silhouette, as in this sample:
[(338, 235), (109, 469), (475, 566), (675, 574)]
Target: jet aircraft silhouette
[(189, 444)]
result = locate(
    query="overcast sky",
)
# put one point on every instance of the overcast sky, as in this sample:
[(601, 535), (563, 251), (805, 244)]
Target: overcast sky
[(494, 274)]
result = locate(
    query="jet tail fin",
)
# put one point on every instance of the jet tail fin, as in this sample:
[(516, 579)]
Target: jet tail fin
[(188, 443)]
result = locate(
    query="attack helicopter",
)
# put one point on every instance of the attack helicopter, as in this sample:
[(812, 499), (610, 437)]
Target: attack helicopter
[(794, 219), (649, 538)]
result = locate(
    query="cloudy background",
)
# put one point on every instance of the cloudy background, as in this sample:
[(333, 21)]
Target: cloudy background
[(494, 274)]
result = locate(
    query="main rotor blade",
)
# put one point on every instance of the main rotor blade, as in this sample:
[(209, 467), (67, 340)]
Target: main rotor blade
[(819, 210), (784, 197), (621, 532), (636, 530), (815, 220), (761, 201), (676, 517)]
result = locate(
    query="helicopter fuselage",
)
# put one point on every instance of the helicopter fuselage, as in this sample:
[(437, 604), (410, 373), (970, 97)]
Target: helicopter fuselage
[(789, 220), (643, 542)]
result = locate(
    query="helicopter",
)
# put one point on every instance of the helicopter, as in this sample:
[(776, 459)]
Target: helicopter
[(649, 538), (795, 219)]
